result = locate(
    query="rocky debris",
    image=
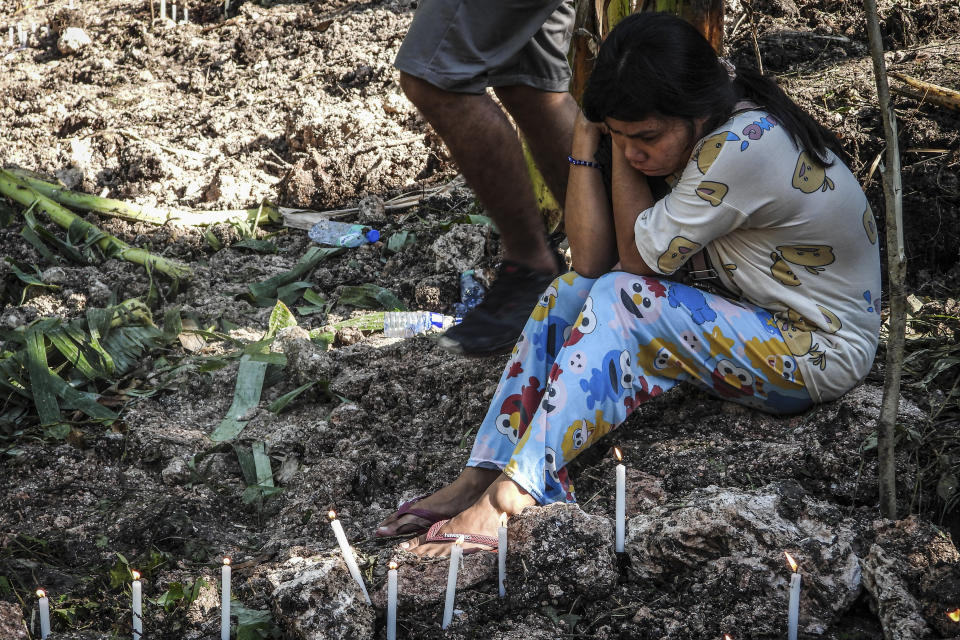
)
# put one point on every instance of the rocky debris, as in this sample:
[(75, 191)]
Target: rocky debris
[(558, 553), (74, 40), (460, 249), (912, 574), (724, 547), (315, 598), (371, 210), (12, 625)]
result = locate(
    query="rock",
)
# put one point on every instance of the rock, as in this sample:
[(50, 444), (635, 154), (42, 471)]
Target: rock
[(316, 598), (175, 473), (557, 553), (228, 190), (423, 582), (371, 210), (726, 545), (898, 610), (12, 626), (73, 40), (54, 275), (912, 574), (459, 249)]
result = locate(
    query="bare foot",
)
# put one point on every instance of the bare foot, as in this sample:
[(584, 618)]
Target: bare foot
[(449, 501), (483, 517)]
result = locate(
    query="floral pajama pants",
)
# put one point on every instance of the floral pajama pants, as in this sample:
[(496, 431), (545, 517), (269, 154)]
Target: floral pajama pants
[(593, 350)]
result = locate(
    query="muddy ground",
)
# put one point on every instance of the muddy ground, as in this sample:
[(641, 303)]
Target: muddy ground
[(297, 102)]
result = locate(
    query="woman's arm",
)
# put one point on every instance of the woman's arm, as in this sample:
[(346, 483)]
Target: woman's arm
[(631, 196), (588, 219)]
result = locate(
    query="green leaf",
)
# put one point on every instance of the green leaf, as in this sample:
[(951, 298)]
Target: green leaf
[(399, 240), (262, 463), (120, 573), (246, 396), (259, 246), (278, 405), (280, 318), (290, 293), (474, 218), (44, 393), (253, 624), (212, 240), (57, 431), (371, 296), (267, 290), (947, 486), (318, 303)]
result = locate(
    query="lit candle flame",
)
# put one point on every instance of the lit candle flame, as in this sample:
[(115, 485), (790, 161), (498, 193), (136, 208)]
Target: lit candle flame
[(954, 615), (226, 561), (393, 565), (793, 563), (43, 594), (332, 514), (136, 574), (616, 452), (459, 541), (727, 636), (503, 519)]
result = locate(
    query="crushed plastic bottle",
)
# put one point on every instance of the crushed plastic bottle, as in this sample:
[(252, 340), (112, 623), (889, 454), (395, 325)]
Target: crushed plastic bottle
[(342, 234), (471, 293), (406, 324)]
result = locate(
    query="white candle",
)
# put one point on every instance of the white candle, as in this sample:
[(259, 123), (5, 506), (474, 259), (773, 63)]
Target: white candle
[(137, 607), (347, 552), (621, 500), (392, 602), (186, 14), (21, 34), (163, 10), (793, 615), (502, 552), (13, 42), (173, 12), (44, 605), (456, 554), (225, 600)]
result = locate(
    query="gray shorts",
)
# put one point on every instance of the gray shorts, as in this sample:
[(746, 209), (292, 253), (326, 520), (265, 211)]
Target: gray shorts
[(469, 45)]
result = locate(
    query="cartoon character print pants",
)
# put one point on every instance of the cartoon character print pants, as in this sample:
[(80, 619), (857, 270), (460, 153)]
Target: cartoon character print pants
[(595, 349)]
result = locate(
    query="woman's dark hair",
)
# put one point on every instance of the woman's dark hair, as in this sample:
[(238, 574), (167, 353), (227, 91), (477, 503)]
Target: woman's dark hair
[(657, 64)]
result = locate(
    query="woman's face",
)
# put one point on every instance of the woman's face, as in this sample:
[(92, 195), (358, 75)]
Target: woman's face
[(654, 146)]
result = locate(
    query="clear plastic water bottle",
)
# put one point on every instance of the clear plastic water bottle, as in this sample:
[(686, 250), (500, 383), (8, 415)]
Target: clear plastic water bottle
[(471, 293), (406, 324), (342, 234)]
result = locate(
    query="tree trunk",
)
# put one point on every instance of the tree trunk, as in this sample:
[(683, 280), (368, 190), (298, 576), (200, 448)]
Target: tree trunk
[(705, 15)]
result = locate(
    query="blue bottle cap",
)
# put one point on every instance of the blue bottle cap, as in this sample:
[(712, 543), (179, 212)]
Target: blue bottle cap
[(373, 235)]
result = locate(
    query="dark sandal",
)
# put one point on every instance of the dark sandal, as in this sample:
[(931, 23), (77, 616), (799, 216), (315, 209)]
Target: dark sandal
[(434, 535), (411, 529)]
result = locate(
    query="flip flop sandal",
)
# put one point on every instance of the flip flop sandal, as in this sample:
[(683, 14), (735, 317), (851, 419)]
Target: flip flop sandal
[(412, 529), (434, 535)]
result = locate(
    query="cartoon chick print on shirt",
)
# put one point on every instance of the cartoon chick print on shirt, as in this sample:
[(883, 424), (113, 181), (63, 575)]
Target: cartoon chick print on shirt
[(810, 176)]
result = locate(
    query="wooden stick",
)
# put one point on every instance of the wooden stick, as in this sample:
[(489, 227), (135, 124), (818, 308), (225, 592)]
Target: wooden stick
[(926, 91)]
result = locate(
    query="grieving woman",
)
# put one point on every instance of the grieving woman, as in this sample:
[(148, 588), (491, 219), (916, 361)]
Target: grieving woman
[(718, 239)]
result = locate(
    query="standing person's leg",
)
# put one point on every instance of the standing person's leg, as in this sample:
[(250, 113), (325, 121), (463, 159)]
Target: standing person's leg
[(635, 338), (454, 50), (519, 394), (546, 120), (487, 151)]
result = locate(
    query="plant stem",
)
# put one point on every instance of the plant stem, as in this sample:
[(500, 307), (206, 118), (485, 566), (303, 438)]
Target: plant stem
[(17, 190), (136, 213), (897, 268)]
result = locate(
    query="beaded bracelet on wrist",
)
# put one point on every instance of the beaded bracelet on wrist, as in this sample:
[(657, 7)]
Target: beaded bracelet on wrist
[(584, 163)]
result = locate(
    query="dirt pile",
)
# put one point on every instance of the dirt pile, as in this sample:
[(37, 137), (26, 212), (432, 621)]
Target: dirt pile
[(298, 103)]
